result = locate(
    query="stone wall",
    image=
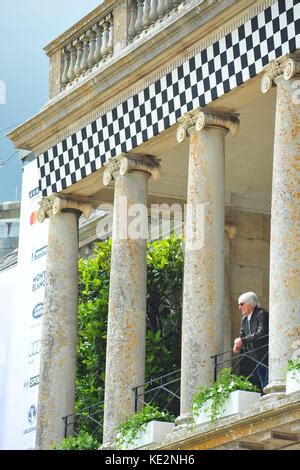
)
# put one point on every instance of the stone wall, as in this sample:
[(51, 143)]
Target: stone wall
[(249, 260)]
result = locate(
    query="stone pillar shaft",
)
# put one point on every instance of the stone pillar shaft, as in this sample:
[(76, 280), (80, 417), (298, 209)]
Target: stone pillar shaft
[(125, 356), (59, 329), (203, 291), (285, 229)]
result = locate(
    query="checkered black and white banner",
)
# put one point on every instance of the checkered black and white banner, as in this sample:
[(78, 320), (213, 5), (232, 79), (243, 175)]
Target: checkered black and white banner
[(221, 67)]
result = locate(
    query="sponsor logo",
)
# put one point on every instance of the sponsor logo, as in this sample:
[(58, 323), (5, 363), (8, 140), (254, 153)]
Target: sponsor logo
[(34, 348), (31, 382), (33, 192), (31, 418), (38, 281), (26, 431), (37, 311), (31, 415), (33, 217), (39, 253)]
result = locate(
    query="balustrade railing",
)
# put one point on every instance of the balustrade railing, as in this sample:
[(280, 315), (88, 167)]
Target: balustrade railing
[(144, 13), (88, 50), (102, 35)]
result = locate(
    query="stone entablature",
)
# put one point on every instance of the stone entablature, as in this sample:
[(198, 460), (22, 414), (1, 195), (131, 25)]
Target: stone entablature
[(198, 24), (206, 76)]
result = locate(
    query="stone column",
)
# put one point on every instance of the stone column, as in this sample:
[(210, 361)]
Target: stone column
[(203, 291), (285, 215), (59, 327), (125, 356)]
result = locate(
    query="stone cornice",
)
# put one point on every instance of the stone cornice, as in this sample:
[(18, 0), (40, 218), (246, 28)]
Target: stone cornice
[(87, 100), (126, 163), (199, 119), (286, 67), (56, 204)]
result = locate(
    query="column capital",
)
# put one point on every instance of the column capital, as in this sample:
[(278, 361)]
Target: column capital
[(126, 163), (57, 203), (286, 67), (198, 119)]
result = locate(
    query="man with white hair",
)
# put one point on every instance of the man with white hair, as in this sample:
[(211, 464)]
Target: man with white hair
[(253, 339)]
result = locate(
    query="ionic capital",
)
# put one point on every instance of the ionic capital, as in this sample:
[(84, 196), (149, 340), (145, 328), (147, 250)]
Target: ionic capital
[(286, 67), (56, 204), (126, 163), (198, 120)]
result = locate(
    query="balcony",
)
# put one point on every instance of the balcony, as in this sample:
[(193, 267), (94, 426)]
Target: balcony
[(117, 29), (264, 426)]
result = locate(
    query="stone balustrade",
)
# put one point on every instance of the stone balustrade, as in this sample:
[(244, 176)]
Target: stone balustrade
[(144, 13), (105, 34), (88, 50)]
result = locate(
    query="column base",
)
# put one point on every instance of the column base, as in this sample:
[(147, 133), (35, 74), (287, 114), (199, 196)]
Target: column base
[(107, 446), (183, 420), (274, 391)]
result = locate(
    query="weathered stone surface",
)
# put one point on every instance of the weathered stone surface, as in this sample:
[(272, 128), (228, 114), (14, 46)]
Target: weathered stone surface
[(285, 240), (246, 278), (247, 252), (59, 326), (59, 332), (125, 356), (203, 291), (249, 224)]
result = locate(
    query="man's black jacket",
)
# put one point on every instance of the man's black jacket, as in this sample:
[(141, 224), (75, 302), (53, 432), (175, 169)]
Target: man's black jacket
[(255, 337)]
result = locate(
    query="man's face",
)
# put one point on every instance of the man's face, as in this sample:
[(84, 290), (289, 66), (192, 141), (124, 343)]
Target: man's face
[(245, 308)]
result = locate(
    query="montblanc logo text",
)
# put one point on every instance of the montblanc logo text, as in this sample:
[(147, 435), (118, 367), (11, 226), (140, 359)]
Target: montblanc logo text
[(38, 281)]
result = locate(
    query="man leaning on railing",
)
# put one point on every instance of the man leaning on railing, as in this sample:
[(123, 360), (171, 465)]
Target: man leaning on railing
[(253, 338)]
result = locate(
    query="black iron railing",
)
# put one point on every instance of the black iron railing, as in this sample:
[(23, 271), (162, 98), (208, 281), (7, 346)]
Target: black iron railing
[(164, 391), (246, 363), (88, 419)]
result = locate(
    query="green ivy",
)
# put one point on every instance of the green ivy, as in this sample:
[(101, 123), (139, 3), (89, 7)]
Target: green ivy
[(129, 429), (293, 364), (84, 441), (218, 394)]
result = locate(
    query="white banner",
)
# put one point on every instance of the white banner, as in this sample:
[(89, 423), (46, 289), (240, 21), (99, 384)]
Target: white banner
[(21, 391)]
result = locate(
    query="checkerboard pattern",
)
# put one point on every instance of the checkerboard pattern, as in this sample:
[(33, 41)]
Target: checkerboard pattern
[(221, 67)]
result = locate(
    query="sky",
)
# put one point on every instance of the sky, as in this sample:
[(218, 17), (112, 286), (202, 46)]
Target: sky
[(26, 27)]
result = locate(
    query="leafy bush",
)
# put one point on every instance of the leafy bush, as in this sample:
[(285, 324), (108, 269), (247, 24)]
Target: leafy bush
[(163, 340), (129, 429), (84, 441), (218, 393)]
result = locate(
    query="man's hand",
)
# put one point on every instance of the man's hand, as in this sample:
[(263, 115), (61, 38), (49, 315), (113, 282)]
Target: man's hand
[(238, 344)]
